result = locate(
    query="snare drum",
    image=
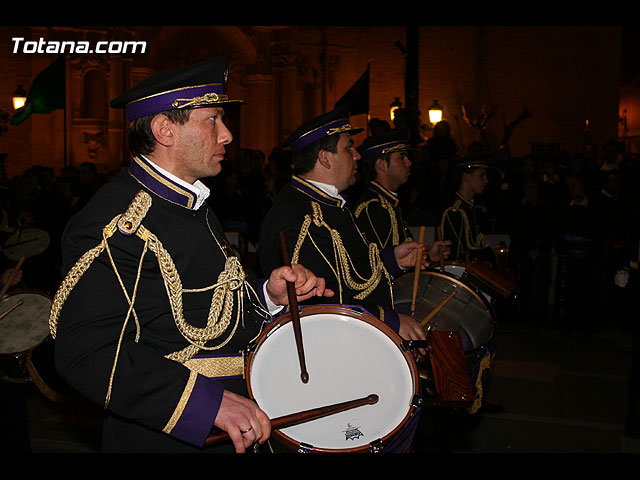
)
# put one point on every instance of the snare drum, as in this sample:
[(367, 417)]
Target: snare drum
[(468, 312), (26, 243), (26, 348), (460, 271), (349, 354)]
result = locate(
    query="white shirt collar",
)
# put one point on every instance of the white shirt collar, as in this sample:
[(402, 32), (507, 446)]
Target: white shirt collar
[(329, 189), (199, 189)]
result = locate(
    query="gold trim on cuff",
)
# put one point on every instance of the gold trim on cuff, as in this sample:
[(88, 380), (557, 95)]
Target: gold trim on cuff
[(186, 394), (215, 367)]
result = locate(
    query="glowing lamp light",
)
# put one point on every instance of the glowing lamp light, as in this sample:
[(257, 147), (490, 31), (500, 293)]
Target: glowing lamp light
[(435, 112), (19, 98), (396, 104)]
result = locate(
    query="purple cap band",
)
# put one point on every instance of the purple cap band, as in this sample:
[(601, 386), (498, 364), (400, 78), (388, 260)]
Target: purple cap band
[(179, 98), (337, 126), (380, 149)]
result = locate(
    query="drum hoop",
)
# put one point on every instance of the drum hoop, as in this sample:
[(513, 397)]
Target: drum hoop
[(474, 290), (23, 291), (358, 315), (47, 235)]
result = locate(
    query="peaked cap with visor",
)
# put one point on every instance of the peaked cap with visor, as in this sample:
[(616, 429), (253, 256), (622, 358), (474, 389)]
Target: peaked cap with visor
[(200, 85)]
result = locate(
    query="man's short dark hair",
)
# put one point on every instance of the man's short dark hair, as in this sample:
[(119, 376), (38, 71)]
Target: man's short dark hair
[(305, 160), (141, 138), (368, 167)]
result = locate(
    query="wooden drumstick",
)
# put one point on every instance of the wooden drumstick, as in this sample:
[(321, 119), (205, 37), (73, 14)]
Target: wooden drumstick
[(439, 307), (301, 417), (416, 272), (295, 314), (10, 309), (8, 284), (440, 249)]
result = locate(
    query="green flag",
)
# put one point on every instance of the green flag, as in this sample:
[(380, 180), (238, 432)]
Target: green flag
[(47, 92)]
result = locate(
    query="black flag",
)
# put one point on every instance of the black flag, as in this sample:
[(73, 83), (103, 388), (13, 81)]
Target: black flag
[(358, 95)]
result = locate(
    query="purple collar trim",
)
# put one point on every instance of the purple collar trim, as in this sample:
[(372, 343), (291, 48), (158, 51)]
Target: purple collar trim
[(159, 184)]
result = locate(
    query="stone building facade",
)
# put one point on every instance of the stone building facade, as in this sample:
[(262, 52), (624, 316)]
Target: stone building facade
[(567, 78)]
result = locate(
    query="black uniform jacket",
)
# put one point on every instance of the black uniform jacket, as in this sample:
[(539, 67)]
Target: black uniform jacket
[(119, 357), (459, 225), (323, 236), (379, 217)]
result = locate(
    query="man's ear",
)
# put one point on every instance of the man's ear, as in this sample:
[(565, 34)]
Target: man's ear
[(324, 160), (163, 130), (381, 165)]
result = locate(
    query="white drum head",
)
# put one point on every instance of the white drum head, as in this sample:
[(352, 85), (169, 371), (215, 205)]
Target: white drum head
[(25, 327), (347, 359)]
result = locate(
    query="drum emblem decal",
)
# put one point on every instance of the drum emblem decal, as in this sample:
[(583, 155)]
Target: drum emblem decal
[(352, 433)]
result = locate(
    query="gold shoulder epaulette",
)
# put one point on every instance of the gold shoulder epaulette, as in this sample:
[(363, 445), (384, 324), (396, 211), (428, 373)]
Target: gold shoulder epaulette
[(132, 218)]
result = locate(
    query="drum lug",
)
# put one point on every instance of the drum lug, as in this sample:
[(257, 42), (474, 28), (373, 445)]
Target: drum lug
[(305, 448), (417, 401), (376, 446), (407, 345)]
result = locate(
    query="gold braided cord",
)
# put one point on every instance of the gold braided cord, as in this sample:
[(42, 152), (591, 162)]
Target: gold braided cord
[(229, 286), (465, 228), (230, 282), (131, 302), (393, 233), (74, 275), (344, 265)]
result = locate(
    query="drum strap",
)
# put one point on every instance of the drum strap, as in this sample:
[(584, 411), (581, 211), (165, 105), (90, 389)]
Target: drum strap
[(230, 286), (343, 264)]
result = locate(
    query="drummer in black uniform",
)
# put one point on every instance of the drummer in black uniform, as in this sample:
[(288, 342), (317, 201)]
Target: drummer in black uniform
[(321, 231), (459, 222), (385, 167), (155, 309)]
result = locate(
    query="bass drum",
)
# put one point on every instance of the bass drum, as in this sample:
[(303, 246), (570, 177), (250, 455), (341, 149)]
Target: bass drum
[(468, 312), (349, 354)]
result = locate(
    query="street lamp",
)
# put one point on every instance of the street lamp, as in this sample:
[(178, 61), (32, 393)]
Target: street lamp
[(435, 112), (396, 104), (19, 98)]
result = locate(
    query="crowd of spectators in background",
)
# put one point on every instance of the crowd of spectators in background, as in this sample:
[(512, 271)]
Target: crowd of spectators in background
[(567, 215)]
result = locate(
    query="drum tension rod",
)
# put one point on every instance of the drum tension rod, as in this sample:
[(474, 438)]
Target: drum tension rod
[(305, 448), (417, 401), (413, 344), (376, 446), (250, 349)]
